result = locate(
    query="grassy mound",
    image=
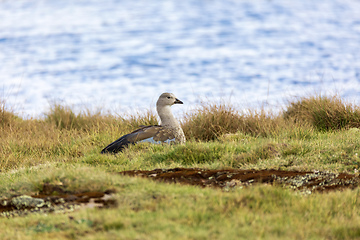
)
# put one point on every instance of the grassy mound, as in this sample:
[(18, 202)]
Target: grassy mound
[(324, 113)]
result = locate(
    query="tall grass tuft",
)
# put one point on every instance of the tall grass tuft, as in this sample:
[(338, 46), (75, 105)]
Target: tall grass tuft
[(261, 123), (64, 118), (139, 119), (213, 120), (324, 113), (7, 117)]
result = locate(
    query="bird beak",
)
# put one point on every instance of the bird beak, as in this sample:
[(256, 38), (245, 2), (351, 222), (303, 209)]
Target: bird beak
[(178, 101)]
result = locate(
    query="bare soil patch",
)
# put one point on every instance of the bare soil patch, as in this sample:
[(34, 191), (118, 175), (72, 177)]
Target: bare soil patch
[(54, 199), (228, 178)]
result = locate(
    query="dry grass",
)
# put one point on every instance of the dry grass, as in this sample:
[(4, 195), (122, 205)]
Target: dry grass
[(61, 136), (62, 117), (209, 122), (64, 136), (7, 117), (324, 113), (140, 119)]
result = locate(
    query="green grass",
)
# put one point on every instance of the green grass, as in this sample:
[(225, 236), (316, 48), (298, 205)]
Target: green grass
[(314, 133)]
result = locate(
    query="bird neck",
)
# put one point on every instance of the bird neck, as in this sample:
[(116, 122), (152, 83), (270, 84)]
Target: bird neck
[(166, 116)]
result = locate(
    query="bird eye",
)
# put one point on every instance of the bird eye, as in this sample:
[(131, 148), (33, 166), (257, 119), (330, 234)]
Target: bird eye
[(168, 97)]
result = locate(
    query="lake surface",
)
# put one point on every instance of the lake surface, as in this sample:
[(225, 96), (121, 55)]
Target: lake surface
[(121, 54)]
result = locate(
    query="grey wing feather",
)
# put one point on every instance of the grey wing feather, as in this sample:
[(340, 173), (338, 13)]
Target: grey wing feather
[(131, 138)]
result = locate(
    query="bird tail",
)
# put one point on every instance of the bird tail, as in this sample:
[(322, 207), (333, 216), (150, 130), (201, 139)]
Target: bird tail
[(116, 146)]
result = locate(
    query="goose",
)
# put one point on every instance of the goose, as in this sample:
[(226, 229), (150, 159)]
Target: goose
[(169, 130)]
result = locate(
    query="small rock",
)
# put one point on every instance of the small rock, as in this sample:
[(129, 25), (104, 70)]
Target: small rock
[(27, 201)]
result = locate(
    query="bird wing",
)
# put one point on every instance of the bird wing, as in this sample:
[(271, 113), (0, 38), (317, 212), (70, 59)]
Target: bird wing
[(154, 134)]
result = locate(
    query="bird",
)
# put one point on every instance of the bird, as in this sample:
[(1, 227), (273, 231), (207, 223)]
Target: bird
[(169, 130)]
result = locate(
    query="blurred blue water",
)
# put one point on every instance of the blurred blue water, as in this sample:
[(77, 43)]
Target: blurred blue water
[(123, 53)]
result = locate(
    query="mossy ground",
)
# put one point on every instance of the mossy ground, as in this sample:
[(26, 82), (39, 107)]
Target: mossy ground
[(314, 133)]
